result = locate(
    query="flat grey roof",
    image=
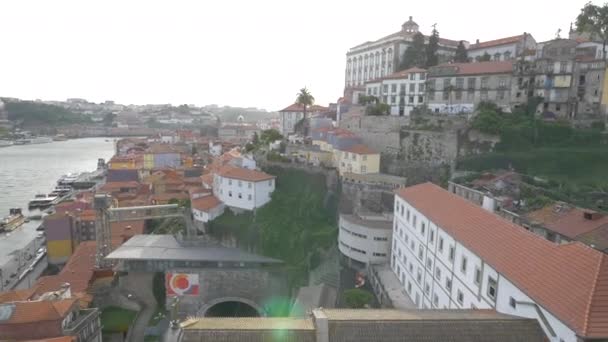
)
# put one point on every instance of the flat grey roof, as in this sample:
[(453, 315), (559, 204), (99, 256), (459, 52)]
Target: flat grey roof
[(374, 224), (166, 247)]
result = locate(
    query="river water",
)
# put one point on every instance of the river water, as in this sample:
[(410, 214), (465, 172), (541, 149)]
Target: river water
[(26, 170)]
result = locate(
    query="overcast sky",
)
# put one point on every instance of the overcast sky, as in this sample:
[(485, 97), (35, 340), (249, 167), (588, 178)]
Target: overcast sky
[(228, 52)]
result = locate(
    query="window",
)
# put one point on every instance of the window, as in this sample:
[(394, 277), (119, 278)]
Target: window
[(477, 276), (421, 87), (420, 99), (420, 252), (435, 300), (393, 99), (422, 76), (240, 195), (458, 95), (484, 82), (411, 267), (440, 244), (459, 83), (412, 87), (364, 157), (492, 287), (411, 99), (230, 182), (417, 301), (512, 302), (451, 255), (460, 297), (229, 193), (240, 184), (407, 217), (432, 236), (437, 273), (429, 263), (431, 84), (448, 284), (414, 221), (502, 82), (385, 89), (393, 88), (483, 95), (419, 276), (427, 288), (563, 66), (249, 197), (500, 94), (270, 182), (471, 83), (446, 83), (446, 95), (463, 266), (409, 287), (249, 185)]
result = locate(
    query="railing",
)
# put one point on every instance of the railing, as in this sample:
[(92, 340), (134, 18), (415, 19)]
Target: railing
[(145, 212)]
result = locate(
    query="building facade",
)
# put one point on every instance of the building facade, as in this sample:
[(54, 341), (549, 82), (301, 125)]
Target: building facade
[(365, 239), (502, 49), (358, 159), (380, 58), (449, 253), (243, 188), (459, 87), (402, 91)]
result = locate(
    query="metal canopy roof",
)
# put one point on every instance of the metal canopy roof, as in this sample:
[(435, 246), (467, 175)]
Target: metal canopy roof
[(167, 247)]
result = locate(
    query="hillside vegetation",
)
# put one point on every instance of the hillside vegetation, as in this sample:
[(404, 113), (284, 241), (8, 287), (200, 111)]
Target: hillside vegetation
[(33, 113), (293, 227), (574, 161)]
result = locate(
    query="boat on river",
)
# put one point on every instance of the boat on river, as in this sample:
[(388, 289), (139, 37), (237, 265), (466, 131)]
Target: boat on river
[(43, 201), (6, 143), (13, 221)]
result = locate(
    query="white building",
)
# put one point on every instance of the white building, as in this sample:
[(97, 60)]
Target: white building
[(449, 253), (242, 188), (503, 49), (365, 239), (215, 149), (291, 115), (403, 90), (379, 58), (206, 208)]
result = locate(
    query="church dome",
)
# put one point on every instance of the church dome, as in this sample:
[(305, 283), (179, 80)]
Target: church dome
[(410, 26)]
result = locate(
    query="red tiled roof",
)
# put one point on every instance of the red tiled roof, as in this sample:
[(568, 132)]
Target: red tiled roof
[(360, 149), (169, 196), (229, 171), (569, 280), (16, 295), (119, 185), (566, 220), (299, 108), (477, 68), (206, 203), (38, 311), (496, 42)]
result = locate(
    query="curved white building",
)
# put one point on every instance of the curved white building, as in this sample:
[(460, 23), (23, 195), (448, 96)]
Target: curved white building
[(365, 239)]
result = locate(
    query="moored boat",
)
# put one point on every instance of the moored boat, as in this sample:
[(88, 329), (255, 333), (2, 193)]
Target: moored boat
[(5, 143), (13, 221), (43, 201)]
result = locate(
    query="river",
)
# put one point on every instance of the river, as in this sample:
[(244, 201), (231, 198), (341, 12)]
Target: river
[(26, 170)]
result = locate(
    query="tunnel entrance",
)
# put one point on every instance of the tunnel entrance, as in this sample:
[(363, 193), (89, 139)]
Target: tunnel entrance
[(232, 309)]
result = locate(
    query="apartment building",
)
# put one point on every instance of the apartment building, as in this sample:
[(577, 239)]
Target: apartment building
[(358, 159), (459, 87), (502, 49), (402, 91), (243, 188), (449, 253)]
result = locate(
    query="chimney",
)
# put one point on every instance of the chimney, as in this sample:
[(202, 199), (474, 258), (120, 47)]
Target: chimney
[(591, 215)]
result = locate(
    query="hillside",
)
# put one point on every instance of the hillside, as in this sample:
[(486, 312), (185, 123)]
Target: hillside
[(31, 113)]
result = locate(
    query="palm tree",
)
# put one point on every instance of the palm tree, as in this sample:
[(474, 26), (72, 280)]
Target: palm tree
[(305, 99)]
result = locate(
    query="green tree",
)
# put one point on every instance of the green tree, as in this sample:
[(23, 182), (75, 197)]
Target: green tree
[(461, 55), (432, 47), (488, 121), (305, 99), (367, 99), (485, 58), (270, 135), (415, 54), (256, 139), (357, 298), (378, 109), (593, 19), (108, 119)]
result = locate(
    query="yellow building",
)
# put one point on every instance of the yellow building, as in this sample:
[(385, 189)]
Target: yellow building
[(124, 163), (358, 159)]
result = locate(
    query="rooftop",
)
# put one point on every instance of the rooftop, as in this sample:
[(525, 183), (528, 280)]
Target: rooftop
[(477, 68), (569, 280), (205, 203), (249, 323), (229, 171), (568, 220), (496, 42), (35, 311), (375, 224), (167, 247), (360, 149)]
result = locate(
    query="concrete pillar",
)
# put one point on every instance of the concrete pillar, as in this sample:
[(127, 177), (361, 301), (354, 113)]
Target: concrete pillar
[(321, 325)]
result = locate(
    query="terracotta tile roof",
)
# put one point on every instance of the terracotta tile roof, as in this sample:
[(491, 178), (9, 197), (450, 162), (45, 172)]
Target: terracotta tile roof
[(207, 179), (78, 271), (206, 203), (38, 311), (119, 185), (496, 42), (87, 215), (161, 149), (229, 171), (360, 149), (56, 339), (568, 220), (16, 295), (569, 280), (169, 196), (299, 108), (477, 68)]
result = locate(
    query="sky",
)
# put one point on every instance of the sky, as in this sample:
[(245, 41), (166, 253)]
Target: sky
[(248, 53)]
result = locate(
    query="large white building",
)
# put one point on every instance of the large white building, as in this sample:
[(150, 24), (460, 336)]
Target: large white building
[(365, 238), (242, 188), (449, 253), (402, 91), (375, 59)]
